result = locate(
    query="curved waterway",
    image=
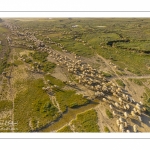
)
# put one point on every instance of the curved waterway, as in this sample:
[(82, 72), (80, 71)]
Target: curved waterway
[(68, 116)]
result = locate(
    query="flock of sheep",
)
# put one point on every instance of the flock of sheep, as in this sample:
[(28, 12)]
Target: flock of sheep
[(121, 105)]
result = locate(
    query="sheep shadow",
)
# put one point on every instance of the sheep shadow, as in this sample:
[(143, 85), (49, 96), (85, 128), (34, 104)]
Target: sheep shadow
[(136, 122), (145, 119)]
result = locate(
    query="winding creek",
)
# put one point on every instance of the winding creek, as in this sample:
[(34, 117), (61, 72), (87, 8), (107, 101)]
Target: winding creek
[(69, 116)]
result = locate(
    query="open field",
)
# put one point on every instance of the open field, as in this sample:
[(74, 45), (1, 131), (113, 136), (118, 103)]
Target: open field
[(75, 75)]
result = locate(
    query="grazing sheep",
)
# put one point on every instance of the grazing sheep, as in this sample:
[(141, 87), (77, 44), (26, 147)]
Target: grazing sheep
[(135, 110), (140, 119), (114, 94), (104, 99), (116, 104), (134, 128), (141, 103), (138, 106), (125, 114), (114, 113), (144, 109), (124, 106), (123, 95), (121, 127), (110, 106), (127, 106), (125, 124), (133, 113), (117, 122), (120, 119), (120, 99), (121, 103), (109, 98), (139, 112)]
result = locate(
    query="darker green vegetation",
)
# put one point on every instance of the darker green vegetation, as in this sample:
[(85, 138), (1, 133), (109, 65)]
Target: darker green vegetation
[(4, 54), (68, 98), (40, 56), (3, 64), (106, 129), (146, 97), (137, 81), (106, 74), (17, 63), (86, 122), (48, 66), (33, 104), (5, 105), (65, 129), (109, 114), (4, 49), (120, 83), (54, 81)]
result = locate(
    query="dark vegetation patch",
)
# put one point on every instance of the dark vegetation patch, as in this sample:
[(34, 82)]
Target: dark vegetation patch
[(69, 98), (54, 81), (86, 122), (109, 114), (106, 129), (110, 43), (120, 83), (5, 105), (65, 129), (137, 81), (34, 104), (41, 57), (146, 98)]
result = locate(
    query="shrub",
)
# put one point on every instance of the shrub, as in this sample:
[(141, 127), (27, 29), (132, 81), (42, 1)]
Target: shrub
[(109, 114), (86, 122), (40, 56), (48, 66), (120, 83), (33, 102), (5, 105), (68, 98), (106, 129)]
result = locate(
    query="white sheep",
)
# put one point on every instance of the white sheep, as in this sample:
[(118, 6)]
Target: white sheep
[(132, 113), (104, 99), (120, 99), (125, 114), (135, 110), (127, 106), (116, 104), (138, 106), (144, 109), (114, 114), (117, 122), (121, 127), (139, 112), (125, 124), (120, 119), (141, 103), (124, 106), (121, 103), (140, 119), (134, 128), (110, 106)]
